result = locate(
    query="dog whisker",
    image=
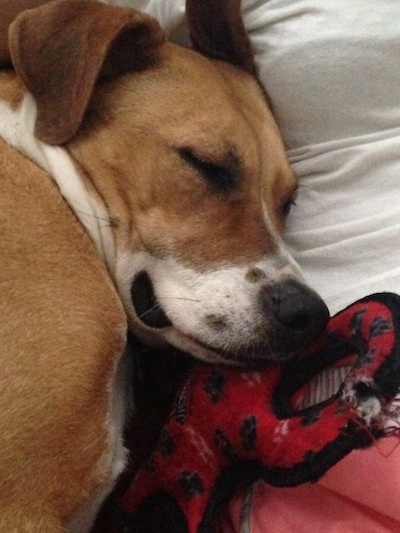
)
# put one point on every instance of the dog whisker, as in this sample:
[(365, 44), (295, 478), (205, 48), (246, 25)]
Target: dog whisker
[(178, 298), (156, 306)]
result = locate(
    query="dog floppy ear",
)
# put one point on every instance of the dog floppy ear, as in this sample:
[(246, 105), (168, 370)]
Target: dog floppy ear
[(216, 30), (61, 49)]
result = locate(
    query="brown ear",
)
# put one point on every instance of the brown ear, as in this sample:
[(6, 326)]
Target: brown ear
[(216, 30), (61, 48)]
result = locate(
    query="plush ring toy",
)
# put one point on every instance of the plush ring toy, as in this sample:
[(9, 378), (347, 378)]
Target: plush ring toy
[(286, 425)]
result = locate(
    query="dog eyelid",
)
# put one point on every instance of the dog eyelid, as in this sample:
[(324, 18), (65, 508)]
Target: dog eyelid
[(223, 177)]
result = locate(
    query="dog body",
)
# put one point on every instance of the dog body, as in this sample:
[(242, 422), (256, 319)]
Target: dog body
[(62, 331), (144, 186)]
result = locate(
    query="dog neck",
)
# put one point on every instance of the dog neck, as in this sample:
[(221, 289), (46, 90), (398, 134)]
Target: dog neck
[(17, 129)]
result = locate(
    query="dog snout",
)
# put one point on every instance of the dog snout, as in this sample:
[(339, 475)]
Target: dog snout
[(299, 312)]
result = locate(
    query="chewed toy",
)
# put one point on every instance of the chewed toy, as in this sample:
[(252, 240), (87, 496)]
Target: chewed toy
[(286, 425)]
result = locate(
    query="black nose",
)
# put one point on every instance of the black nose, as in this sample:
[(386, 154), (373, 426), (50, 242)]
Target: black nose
[(299, 309)]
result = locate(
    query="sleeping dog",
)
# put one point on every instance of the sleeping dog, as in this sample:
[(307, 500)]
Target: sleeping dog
[(143, 186)]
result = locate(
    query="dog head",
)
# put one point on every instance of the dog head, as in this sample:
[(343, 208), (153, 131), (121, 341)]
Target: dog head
[(182, 148)]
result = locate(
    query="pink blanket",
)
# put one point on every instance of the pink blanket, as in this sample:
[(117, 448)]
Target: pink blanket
[(359, 495)]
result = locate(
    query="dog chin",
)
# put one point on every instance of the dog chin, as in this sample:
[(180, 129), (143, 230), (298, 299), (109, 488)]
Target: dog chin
[(172, 336), (252, 359)]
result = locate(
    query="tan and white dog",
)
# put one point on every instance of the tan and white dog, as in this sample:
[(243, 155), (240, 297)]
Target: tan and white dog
[(142, 185)]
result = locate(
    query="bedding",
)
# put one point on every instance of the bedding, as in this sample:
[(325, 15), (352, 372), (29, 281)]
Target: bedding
[(332, 71)]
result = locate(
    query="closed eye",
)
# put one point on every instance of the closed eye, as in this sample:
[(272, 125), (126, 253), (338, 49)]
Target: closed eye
[(223, 177)]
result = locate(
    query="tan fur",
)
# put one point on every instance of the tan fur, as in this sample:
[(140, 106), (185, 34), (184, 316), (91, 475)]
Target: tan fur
[(12, 89), (62, 328)]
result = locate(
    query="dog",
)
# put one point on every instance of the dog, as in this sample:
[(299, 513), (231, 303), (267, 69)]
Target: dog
[(144, 186)]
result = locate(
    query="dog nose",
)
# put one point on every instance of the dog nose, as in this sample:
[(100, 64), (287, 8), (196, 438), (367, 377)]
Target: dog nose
[(299, 309)]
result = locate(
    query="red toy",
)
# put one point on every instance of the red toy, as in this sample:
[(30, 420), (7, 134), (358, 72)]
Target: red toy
[(284, 425)]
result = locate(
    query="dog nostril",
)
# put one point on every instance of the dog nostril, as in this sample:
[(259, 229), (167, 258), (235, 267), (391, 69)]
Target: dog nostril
[(298, 307)]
